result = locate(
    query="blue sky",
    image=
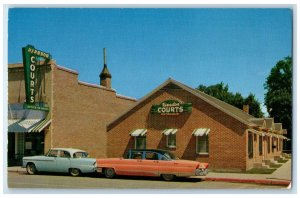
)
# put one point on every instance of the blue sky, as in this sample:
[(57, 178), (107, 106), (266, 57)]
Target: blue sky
[(146, 46)]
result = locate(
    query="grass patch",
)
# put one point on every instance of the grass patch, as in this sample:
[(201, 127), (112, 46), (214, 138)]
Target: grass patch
[(282, 160), (260, 171), (275, 165)]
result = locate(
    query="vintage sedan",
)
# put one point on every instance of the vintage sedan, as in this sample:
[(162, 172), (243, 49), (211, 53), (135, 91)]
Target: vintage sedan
[(151, 162), (61, 160)]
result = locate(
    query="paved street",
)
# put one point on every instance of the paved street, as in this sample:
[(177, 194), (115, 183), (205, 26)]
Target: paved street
[(62, 181)]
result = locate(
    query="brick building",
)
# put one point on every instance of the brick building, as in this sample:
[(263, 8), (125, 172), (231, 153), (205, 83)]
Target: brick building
[(195, 126), (77, 117)]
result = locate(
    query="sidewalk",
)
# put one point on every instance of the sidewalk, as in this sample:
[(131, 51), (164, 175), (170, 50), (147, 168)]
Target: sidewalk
[(282, 176)]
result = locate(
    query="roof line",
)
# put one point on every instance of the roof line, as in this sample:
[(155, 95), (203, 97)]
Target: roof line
[(190, 90), (198, 93)]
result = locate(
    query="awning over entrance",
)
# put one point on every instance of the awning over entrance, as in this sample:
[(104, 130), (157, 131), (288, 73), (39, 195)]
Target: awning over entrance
[(22, 120), (22, 125), (201, 131), (267, 134), (138, 132), (257, 132), (41, 125), (169, 131)]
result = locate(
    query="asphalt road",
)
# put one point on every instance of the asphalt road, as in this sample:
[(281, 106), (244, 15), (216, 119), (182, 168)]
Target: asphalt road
[(92, 184)]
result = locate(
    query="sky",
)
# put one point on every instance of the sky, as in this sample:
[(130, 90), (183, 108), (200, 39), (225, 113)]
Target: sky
[(147, 46)]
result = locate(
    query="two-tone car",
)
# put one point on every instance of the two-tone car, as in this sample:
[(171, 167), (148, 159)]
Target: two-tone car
[(61, 160), (151, 162)]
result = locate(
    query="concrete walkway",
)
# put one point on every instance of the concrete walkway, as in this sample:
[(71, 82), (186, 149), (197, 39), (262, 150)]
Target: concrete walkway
[(282, 176)]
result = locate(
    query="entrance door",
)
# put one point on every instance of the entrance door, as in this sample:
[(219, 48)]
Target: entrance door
[(11, 150)]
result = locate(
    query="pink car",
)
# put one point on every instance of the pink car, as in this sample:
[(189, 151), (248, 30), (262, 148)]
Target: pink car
[(151, 162)]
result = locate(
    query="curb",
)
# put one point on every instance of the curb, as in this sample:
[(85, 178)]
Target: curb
[(16, 170), (256, 181)]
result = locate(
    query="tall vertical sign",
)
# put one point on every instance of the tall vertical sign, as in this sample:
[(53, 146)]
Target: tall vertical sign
[(31, 57)]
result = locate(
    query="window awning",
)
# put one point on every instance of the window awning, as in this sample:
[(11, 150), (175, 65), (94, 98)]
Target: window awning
[(201, 131), (138, 132), (27, 125), (169, 131)]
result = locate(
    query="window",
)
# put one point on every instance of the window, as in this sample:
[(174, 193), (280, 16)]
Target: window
[(151, 156), (250, 145), (171, 141), (52, 153), (136, 155), (260, 142), (65, 154), (202, 144), (80, 155), (140, 142)]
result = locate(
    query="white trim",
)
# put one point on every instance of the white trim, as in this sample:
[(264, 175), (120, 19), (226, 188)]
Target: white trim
[(125, 97), (66, 69)]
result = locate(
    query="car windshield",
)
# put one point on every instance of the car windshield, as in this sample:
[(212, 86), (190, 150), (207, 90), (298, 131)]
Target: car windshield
[(170, 155)]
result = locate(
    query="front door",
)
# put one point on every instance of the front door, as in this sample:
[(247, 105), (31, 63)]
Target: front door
[(63, 162), (149, 165)]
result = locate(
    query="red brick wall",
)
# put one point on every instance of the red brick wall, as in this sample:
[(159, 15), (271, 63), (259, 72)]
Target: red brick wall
[(81, 112), (227, 140)]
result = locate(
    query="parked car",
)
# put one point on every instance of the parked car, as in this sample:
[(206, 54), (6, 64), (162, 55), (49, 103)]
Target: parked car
[(151, 162), (62, 160)]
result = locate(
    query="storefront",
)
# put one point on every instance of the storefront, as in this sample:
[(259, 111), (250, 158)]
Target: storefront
[(65, 112), (194, 126)]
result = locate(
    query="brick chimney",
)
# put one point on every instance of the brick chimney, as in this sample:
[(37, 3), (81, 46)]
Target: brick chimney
[(246, 108), (105, 76)]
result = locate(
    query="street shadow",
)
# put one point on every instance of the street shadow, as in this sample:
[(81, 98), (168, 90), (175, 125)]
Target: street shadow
[(61, 174), (177, 179)]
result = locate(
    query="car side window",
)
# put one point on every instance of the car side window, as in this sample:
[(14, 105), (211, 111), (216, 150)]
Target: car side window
[(136, 155), (65, 154), (162, 157), (151, 156), (53, 153), (80, 155)]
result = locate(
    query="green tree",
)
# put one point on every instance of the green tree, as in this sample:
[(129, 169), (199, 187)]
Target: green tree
[(278, 98), (222, 92)]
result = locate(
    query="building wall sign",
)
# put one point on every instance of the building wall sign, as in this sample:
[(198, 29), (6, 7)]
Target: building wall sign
[(31, 62), (171, 107)]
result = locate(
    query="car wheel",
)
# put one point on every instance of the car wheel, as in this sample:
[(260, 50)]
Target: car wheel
[(109, 172), (74, 172), (168, 177), (31, 169)]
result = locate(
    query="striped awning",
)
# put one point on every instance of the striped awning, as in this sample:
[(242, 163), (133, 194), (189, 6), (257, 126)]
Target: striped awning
[(138, 132), (27, 125), (41, 125), (201, 131), (169, 131)]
